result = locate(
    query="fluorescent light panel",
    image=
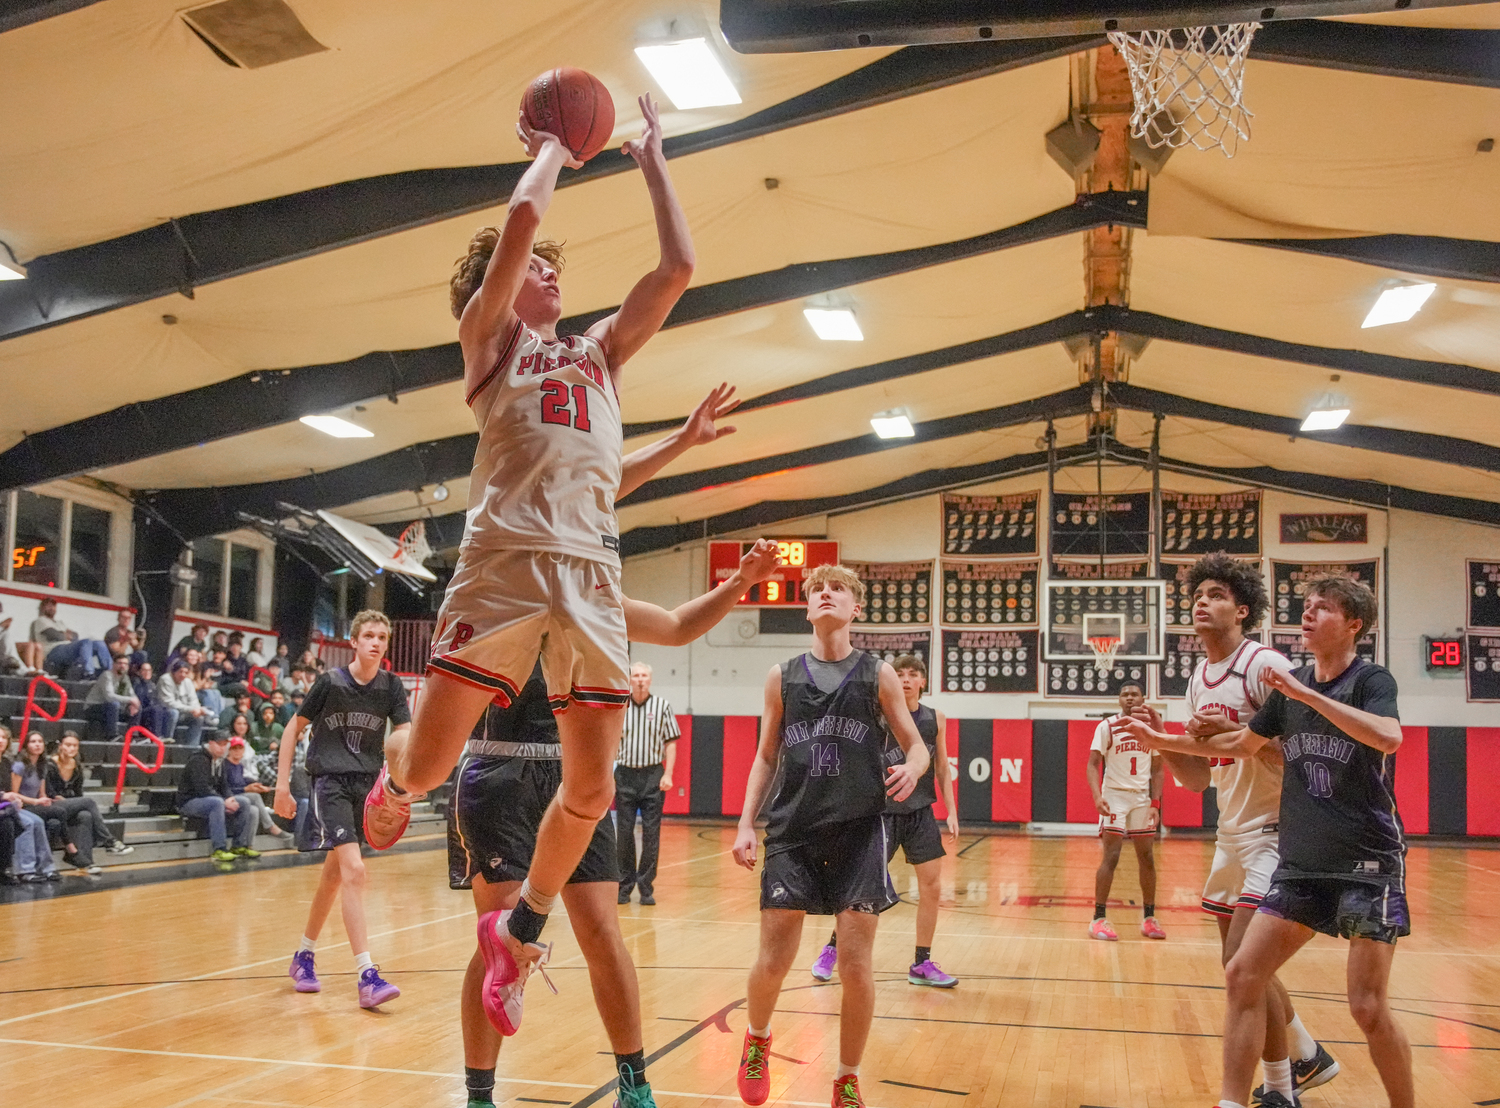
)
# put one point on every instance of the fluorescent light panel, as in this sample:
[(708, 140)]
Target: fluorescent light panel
[(689, 73), (834, 324), (1399, 304), (893, 425), (1325, 419), (338, 428), (11, 271)]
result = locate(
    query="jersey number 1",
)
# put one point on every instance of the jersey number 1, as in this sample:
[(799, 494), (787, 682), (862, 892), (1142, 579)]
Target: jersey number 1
[(825, 759), (555, 405)]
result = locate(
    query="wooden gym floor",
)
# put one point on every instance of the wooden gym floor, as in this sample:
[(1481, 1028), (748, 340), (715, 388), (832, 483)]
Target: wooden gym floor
[(174, 994)]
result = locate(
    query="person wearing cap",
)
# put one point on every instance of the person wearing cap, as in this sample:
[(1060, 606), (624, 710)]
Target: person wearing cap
[(177, 692), (246, 788), (203, 793)]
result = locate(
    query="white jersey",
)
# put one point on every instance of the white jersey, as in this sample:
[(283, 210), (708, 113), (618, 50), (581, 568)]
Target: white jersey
[(1249, 789), (547, 468), (1127, 764)]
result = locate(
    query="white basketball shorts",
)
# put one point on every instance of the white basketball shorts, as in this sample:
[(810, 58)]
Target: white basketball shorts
[(1130, 813), (1241, 874)]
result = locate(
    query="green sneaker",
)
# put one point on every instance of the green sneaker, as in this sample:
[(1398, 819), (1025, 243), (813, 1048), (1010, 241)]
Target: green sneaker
[(245, 852), (222, 856), (480, 1104), (637, 1096)]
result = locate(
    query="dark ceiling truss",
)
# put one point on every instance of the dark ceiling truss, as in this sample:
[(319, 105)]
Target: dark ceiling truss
[(267, 398), (1455, 56), (212, 246), (19, 13), (1429, 255)]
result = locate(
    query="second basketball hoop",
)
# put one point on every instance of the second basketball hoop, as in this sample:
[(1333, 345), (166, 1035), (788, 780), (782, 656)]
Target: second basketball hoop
[(1189, 85)]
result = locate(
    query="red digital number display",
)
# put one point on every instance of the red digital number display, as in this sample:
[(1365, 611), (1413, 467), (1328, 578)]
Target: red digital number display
[(784, 589), (1444, 653)]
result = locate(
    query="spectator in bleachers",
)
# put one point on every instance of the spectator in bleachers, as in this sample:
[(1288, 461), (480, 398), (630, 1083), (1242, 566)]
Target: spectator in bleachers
[(176, 690), (308, 661), (86, 827), (240, 707), (246, 788), (111, 696), (62, 651), (11, 660), (236, 675), (239, 728), (154, 715), (204, 794), (10, 827), (284, 711), (6, 742), (281, 660), (265, 730), (197, 640), (262, 681), (300, 784), (256, 655), (299, 681), (33, 857), (206, 681), (138, 653), (28, 782), (220, 641), (295, 700), (117, 638)]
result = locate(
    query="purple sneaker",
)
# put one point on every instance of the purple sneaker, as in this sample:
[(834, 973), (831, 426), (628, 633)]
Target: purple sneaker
[(303, 976), (822, 969), (928, 973), (375, 990)]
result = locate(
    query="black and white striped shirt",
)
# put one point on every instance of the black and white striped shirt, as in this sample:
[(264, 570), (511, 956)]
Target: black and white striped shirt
[(649, 726)]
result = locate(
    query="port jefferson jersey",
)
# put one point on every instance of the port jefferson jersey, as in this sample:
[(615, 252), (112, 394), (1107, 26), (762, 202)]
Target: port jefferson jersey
[(547, 468), (1249, 789)]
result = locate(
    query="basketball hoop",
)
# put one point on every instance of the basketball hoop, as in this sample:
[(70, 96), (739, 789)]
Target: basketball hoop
[(413, 544), (1104, 647), (1188, 85)]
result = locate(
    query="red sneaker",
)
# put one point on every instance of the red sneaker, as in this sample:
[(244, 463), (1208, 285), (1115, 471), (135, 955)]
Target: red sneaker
[(1151, 929), (754, 1078), (387, 813), (507, 964), (1101, 929), (846, 1092)]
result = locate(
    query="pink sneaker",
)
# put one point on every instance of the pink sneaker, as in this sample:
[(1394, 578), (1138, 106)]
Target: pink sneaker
[(387, 813), (1100, 929), (1151, 929), (507, 964)]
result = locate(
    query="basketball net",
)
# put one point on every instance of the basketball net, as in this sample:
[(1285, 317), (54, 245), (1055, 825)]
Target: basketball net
[(413, 544), (1188, 85), (1104, 647)]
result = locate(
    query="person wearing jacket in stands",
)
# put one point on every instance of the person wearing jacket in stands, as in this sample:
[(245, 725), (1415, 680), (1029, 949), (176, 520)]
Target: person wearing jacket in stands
[(177, 692), (86, 827), (111, 696), (203, 793)]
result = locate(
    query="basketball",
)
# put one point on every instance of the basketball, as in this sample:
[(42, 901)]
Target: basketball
[(573, 105)]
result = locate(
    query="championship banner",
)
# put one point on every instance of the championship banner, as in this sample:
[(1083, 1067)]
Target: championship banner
[(990, 526), (1484, 594), (1075, 679), (1076, 525), (1290, 644), (1183, 652), (890, 645), (895, 592), (990, 592), (1483, 672), (1289, 582), (1202, 523), (990, 661), (1087, 569), (1179, 599)]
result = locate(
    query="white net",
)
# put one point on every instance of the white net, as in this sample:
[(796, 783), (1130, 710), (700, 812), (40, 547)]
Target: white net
[(1189, 85), (413, 543), (1104, 647)]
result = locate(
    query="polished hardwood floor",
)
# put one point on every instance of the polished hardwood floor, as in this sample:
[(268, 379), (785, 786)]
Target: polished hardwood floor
[(175, 993)]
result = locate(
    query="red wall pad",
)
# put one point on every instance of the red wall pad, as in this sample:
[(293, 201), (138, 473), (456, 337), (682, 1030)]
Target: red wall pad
[(1411, 780), (1010, 779), (1180, 807), (679, 798), (741, 734), (1484, 781), (950, 744), (1080, 801)]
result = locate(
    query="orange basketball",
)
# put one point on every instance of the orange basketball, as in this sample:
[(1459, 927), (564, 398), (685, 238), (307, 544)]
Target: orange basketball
[(573, 105)]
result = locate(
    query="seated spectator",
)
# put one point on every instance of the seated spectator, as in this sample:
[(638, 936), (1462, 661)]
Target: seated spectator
[(62, 652), (154, 715), (177, 691), (111, 695), (299, 682), (300, 785), (284, 711), (236, 671), (239, 728), (295, 702), (86, 827), (240, 707), (117, 638), (308, 661), (33, 857), (265, 731), (6, 743), (220, 642), (262, 685), (11, 658), (28, 781), (138, 653), (204, 794), (197, 640), (245, 787), (206, 681), (256, 655), (281, 660), (10, 827)]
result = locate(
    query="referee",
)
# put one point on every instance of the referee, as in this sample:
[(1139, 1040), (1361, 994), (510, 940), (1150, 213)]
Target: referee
[(648, 750)]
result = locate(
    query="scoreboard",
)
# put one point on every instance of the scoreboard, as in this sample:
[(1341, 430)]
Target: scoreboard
[(784, 587)]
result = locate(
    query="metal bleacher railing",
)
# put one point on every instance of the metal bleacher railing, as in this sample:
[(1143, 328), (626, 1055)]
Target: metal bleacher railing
[(33, 706), (128, 759)]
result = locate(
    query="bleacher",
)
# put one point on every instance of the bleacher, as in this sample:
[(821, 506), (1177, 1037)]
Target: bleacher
[(147, 816)]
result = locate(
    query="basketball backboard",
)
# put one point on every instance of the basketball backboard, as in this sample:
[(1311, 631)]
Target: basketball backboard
[(1134, 612)]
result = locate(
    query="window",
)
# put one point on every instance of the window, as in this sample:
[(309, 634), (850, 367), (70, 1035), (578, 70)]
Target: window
[(88, 550), (34, 558), (229, 579), (244, 567), (207, 595)]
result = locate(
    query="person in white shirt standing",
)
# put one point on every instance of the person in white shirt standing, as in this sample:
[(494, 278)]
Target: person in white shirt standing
[(1226, 690), (643, 777), (1125, 780)]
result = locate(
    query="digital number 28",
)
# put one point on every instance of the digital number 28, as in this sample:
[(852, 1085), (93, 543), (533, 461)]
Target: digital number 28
[(555, 405)]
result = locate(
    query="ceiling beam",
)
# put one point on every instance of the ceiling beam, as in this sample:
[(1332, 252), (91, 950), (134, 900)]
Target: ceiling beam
[(22, 13), (1429, 255), (1456, 56), (267, 398), (199, 249)]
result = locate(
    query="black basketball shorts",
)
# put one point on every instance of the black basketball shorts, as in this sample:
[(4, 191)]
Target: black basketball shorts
[(1342, 908), (493, 817), (916, 833), (336, 810), (841, 870)]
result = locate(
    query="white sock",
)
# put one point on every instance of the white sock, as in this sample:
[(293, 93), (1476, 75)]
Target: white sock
[(541, 905), (306, 944), (363, 961), (1303, 1045), (845, 1071), (760, 1033), (1229, 1104), (1279, 1077)]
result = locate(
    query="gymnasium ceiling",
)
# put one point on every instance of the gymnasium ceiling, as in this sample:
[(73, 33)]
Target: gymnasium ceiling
[(216, 251)]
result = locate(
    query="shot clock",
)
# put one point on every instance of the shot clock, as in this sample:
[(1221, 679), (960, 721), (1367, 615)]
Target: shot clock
[(1444, 654), (784, 587)]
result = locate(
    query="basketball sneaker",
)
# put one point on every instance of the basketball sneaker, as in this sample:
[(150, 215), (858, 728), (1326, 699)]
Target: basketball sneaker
[(1308, 1073), (1151, 929), (754, 1077), (1273, 1099), (822, 969), (387, 813), (1100, 929), (507, 964), (846, 1092), (304, 977), (630, 1095), (929, 973), (374, 990)]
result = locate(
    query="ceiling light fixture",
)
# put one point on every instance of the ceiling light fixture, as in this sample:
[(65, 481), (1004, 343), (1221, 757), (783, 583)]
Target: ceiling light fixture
[(338, 428), (834, 324), (689, 73), (1397, 305), (1325, 419), (894, 424), (440, 493)]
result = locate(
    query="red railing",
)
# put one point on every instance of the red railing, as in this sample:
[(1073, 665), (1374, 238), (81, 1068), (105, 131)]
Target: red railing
[(255, 690), (129, 759), (62, 704), (411, 644)]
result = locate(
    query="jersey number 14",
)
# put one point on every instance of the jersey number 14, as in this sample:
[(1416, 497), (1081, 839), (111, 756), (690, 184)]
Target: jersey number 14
[(825, 759), (555, 405)]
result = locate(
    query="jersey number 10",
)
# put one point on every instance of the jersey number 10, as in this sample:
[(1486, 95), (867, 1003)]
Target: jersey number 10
[(555, 405), (825, 759)]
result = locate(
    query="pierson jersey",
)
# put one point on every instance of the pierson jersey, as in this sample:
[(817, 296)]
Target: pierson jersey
[(924, 795), (1127, 764), (547, 467), (1249, 789), (832, 753)]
